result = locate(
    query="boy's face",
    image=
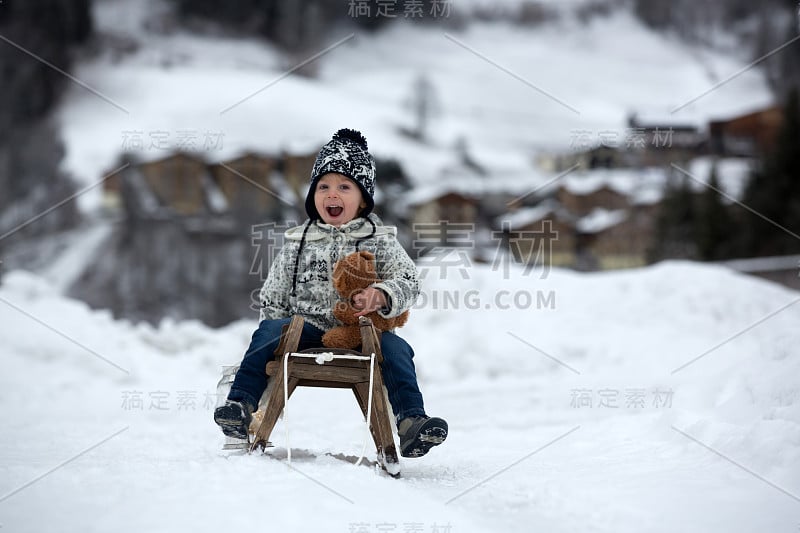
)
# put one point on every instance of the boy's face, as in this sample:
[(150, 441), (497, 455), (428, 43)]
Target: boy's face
[(337, 199)]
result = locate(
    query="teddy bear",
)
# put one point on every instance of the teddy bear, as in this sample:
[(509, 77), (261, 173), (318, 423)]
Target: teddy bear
[(353, 273)]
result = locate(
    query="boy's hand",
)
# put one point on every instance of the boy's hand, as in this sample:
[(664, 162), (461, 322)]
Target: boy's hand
[(369, 300)]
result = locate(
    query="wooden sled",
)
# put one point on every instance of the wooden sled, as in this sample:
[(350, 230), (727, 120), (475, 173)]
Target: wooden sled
[(336, 373)]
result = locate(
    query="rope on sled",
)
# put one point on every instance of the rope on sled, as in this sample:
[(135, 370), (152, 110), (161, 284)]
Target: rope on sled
[(321, 359), (369, 408)]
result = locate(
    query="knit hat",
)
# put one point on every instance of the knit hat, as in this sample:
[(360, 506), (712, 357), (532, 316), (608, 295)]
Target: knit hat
[(346, 153)]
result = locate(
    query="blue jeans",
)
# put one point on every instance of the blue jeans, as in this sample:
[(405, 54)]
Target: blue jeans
[(398, 371)]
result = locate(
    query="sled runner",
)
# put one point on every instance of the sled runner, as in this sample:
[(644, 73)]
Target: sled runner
[(332, 368)]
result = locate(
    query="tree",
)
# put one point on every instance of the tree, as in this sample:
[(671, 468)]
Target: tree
[(714, 224), (30, 147), (424, 104), (675, 232), (774, 192)]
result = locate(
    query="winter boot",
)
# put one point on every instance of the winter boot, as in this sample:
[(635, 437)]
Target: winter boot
[(234, 418), (418, 434)]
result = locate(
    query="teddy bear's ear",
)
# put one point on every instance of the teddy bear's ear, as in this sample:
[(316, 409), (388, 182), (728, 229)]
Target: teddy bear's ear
[(369, 256)]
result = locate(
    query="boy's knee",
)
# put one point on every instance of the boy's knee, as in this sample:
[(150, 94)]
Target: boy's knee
[(273, 326), (268, 335)]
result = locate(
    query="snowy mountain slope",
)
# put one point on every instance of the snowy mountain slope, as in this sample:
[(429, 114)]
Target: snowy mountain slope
[(581, 414), (508, 91)]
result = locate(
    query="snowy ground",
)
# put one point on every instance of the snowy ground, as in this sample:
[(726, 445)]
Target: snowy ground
[(662, 399)]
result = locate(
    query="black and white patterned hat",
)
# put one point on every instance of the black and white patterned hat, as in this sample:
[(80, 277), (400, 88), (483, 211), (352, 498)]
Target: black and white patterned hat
[(346, 153)]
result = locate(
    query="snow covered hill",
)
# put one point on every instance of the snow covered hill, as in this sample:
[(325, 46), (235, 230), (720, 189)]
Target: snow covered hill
[(506, 91), (662, 399)]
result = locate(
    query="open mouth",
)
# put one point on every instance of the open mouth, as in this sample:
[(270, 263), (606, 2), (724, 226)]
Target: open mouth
[(334, 210)]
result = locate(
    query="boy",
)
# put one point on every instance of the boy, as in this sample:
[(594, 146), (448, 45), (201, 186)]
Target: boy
[(339, 204)]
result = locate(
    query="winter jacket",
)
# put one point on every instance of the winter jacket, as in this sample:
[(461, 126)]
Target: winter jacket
[(301, 283)]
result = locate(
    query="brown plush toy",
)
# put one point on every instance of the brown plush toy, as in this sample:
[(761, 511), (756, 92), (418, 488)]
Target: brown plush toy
[(351, 274)]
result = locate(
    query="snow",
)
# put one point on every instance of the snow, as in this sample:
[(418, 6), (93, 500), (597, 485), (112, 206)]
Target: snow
[(108, 424), (65, 268), (60, 258), (659, 399), (732, 173), (647, 185), (528, 215), (623, 181), (600, 220), (508, 91)]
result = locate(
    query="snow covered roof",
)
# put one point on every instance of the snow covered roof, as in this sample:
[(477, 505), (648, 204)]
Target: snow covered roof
[(646, 186), (585, 183), (528, 215), (455, 177), (661, 119), (209, 156), (600, 220), (519, 218), (647, 196)]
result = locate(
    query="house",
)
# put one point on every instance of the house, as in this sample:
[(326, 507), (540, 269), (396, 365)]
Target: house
[(616, 238), (601, 156), (297, 168), (187, 184), (245, 181), (452, 199), (748, 135), (603, 218), (443, 219), (580, 199), (178, 181), (112, 191), (453, 207), (657, 141), (539, 235), (661, 141)]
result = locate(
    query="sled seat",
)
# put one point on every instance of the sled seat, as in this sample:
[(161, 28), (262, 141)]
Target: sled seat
[(336, 373)]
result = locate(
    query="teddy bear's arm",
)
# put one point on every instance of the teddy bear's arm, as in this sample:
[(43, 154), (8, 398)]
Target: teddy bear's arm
[(345, 313)]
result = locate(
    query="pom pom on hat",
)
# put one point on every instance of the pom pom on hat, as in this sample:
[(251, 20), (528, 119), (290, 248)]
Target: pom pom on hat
[(351, 135)]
